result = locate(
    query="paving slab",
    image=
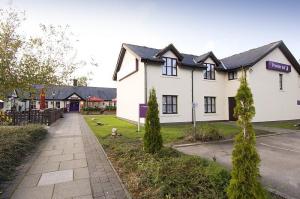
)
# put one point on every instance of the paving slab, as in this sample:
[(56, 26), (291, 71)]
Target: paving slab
[(56, 177), (44, 192), (72, 189), (70, 163)]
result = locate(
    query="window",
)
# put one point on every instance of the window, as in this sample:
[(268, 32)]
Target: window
[(57, 104), (232, 75), (169, 104), (209, 104), (209, 73), (280, 82), (170, 66)]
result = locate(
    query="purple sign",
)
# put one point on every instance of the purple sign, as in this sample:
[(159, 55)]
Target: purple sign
[(143, 110), (298, 102), (278, 67)]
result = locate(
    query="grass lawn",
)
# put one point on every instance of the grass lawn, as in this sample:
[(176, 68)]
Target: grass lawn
[(289, 124), (170, 133)]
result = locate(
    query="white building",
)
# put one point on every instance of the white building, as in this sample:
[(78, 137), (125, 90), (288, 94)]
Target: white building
[(69, 98), (182, 79)]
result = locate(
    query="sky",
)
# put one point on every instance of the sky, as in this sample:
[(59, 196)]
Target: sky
[(225, 27)]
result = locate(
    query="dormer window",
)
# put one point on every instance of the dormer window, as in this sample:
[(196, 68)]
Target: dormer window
[(210, 73), (170, 66)]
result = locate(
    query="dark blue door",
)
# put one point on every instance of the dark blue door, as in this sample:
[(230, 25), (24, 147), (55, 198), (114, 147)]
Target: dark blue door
[(74, 106)]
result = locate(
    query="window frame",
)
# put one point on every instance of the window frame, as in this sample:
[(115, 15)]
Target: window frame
[(234, 75), (212, 73), (166, 105), (212, 104), (280, 81), (172, 67)]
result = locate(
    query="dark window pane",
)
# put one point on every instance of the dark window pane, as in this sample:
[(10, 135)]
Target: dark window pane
[(169, 71), (174, 71), (174, 100), (169, 62), (169, 108), (164, 108), (174, 108)]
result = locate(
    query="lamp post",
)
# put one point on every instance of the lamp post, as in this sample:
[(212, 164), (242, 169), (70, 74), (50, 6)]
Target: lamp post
[(53, 95)]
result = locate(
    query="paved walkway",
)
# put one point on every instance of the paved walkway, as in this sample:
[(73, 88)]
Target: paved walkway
[(70, 164)]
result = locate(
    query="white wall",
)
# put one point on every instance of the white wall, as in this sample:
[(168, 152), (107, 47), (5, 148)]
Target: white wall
[(180, 85), (271, 103), (130, 90), (211, 88)]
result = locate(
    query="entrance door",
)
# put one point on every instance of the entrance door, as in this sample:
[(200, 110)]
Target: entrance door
[(74, 106), (231, 105)]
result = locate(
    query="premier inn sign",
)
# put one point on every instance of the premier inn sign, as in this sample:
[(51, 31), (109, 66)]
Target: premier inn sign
[(278, 66)]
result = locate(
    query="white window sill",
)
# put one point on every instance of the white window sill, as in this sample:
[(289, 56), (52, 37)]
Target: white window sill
[(210, 114), (172, 77), (170, 115), (209, 80)]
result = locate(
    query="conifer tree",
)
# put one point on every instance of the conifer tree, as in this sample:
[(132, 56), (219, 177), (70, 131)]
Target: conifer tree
[(244, 181), (152, 138)]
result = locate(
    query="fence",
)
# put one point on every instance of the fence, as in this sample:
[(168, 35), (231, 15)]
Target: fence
[(47, 117)]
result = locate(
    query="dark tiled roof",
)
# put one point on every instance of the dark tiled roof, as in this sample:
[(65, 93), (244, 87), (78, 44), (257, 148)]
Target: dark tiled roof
[(150, 54), (63, 92), (250, 57), (244, 59), (202, 58)]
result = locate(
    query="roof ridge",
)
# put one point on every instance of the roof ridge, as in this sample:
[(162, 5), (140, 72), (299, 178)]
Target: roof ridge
[(76, 86), (142, 46), (272, 43), (164, 47)]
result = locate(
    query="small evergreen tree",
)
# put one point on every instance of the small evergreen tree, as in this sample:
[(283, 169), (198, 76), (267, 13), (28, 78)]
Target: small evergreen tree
[(152, 138), (244, 181)]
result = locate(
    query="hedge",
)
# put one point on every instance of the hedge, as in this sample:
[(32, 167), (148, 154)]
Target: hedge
[(16, 143)]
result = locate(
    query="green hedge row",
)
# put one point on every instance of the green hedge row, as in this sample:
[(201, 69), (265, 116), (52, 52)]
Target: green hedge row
[(15, 144)]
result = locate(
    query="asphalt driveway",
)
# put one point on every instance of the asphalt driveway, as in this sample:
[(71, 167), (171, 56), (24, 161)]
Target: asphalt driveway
[(280, 160)]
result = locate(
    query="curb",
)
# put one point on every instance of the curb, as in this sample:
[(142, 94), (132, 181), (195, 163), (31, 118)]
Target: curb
[(223, 141), (278, 193)]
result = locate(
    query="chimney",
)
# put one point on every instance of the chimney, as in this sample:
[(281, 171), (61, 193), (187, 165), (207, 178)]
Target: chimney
[(75, 81)]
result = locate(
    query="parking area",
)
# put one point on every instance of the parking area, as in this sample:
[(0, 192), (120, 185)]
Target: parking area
[(280, 160)]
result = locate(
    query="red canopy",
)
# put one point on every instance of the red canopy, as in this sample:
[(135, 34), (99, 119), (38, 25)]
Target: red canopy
[(95, 99)]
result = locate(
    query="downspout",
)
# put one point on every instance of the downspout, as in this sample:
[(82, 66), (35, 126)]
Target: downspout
[(192, 94), (145, 81)]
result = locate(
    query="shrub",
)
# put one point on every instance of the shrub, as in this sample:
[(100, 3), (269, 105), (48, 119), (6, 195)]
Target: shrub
[(91, 109), (204, 133), (16, 142), (245, 159), (192, 177), (152, 137), (110, 108)]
